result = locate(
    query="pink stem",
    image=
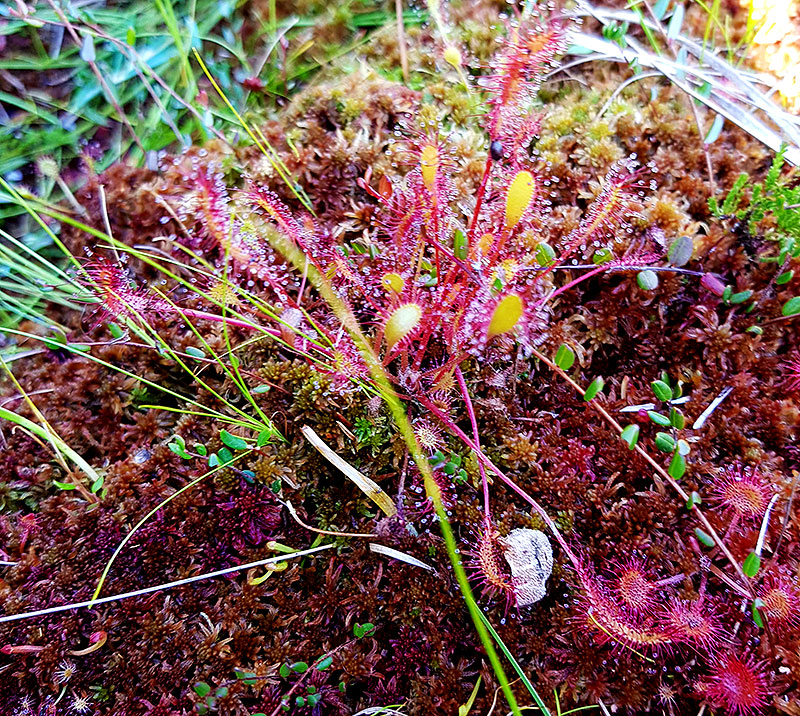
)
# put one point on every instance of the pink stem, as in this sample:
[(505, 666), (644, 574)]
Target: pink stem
[(191, 313), (462, 384), (576, 281), (487, 170)]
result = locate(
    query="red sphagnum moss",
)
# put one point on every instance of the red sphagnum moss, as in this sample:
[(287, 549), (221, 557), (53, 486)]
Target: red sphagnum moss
[(464, 231)]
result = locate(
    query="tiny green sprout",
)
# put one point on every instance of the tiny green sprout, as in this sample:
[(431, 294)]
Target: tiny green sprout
[(785, 277), (284, 671), (342, 686), (694, 499), (630, 435), (178, 446), (201, 449), (311, 689), (225, 456), (115, 331), (260, 389), (264, 437), (299, 667), (565, 357), (64, 485), (616, 32), (594, 388), (665, 442), (661, 390), (755, 330), (313, 699), (683, 447), (703, 537), (325, 663), (195, 352), (647, 280), (751, 565), (300, 701), (659, 419)]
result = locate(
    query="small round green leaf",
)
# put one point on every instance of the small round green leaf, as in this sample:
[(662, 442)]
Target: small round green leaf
[(661, 390), (647, 280), (785, 277), (202, 689), (703, 537), (594, 388), (232, 441), (545, 254), (659, 419), (758, 604), (751, 564), (791, 307), (325, 663), (680, 251), (565, 357), (630, 435), (665, 442), (602, 256), (677, 466), (694, 499)]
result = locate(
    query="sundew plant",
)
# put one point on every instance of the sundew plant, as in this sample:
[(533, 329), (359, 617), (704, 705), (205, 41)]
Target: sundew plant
[(448, 291)]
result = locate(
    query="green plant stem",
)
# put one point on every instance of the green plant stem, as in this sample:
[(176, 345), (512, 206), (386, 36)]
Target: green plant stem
[(350, 323)]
